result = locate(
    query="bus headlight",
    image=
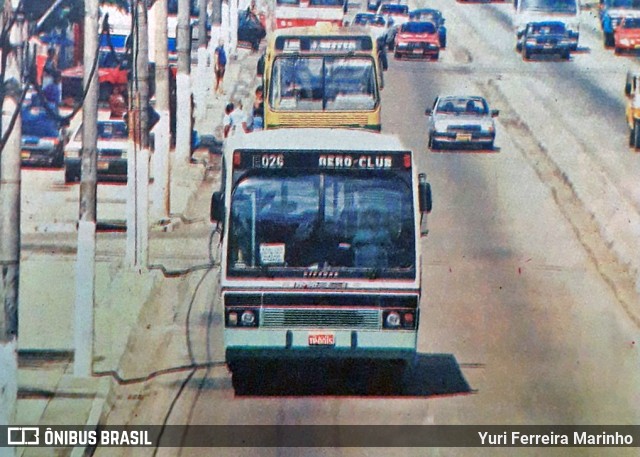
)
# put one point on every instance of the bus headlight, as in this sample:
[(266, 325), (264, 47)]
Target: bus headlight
[(392, 320), (241, 318), (248, 319), (401, 319)]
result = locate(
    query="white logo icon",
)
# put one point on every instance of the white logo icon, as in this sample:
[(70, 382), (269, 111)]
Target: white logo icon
[(23, 436)]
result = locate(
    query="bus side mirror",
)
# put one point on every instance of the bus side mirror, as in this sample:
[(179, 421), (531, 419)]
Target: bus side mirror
[(217, 207), (424, 194), (495, 113)]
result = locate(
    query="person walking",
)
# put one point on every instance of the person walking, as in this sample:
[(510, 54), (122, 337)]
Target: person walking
[(220, 64), (258, 109), (50, 69)]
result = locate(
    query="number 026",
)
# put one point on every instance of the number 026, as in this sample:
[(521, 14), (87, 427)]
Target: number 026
[(272, 161)]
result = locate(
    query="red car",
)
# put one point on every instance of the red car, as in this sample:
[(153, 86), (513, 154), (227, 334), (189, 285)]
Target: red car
[(627, 35), (112, 71), (417, 39)]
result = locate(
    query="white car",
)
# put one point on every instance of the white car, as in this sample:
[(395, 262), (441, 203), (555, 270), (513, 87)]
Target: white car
[(113, 144), (461, 121)]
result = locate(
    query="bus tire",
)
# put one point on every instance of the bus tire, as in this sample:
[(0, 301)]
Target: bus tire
[(636, 133)]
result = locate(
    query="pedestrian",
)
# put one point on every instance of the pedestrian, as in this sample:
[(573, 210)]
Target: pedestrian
[(50, 69), (51, 93), (220, 64), (226, 120), (117, 103), (239, 121), (258, 109)]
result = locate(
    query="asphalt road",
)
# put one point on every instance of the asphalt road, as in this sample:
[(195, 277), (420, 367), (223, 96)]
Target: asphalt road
[(516, 301)]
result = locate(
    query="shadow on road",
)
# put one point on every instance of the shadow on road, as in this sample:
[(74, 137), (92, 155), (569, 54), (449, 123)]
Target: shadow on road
[(424, 376)]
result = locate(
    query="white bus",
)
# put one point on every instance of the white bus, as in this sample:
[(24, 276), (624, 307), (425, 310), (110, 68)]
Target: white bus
[(321, 232)]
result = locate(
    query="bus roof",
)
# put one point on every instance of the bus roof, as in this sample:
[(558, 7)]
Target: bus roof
[(318, 139), (320, 30)]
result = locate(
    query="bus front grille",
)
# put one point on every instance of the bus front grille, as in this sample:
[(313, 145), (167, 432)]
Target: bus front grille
[(323, 120), (321, 318)]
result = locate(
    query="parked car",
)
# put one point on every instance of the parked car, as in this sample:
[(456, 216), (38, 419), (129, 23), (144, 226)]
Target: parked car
[(435, 16), (627, 36), (611, 14), (417, 39), (461, 121), (250, 29), (546, 38), (112, 147), (43, 137)]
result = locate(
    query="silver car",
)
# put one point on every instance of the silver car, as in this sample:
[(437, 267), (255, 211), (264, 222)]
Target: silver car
[(461, 121)]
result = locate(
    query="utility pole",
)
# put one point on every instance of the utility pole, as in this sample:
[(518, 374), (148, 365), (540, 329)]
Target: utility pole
[(138, 163), (202, 23), (233, 27), (9, 225), (183, 85), (86, 254), (162, 176), (216, 20)]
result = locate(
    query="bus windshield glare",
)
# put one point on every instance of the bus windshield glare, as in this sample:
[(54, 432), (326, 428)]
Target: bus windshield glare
[(550, 6), (326, 83), (357, 223)]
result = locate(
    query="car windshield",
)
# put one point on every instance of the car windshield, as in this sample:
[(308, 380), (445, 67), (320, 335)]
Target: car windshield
[(425, 15), (460, 105), (418, 27), (394, 9), (631, 23), (326, 3), (37, 122), (323, 83), (112, 130), (629, 4), (548, 29), (550, 6), (311, 220)]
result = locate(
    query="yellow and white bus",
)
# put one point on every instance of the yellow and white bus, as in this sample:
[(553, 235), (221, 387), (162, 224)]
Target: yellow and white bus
[(322, 76), (321, 232)]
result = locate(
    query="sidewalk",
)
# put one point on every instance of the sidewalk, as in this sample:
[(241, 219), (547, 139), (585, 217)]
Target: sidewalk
[(48, 393)]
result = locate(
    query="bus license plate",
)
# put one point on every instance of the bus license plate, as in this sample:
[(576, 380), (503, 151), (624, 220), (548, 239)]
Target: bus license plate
[(321, 339), (102, 165), (463, 137)]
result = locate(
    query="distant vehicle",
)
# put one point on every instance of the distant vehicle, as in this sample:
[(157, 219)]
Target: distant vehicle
[(250, 29), (461, 121), (627, 35), (304, 13), (632, 111), (417, 39), (546, 38), (377, 25), (43, 135), (565, 11), (113, 144), (435, 16), (373, 5), (399, 12), (113, 70), (611, 14)]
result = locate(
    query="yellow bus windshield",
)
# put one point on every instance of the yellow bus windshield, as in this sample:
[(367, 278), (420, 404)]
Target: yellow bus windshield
[(323, 83)]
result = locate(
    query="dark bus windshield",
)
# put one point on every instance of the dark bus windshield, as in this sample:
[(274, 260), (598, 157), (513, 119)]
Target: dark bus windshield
[(323, 84), (358, 224), (550, 6)]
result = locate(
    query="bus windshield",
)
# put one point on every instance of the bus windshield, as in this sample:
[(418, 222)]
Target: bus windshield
[(358, 224), (328, 83), (550, 6)]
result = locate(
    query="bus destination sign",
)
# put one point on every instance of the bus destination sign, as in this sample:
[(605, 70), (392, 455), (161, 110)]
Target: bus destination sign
[(356, 160), (340, 44)]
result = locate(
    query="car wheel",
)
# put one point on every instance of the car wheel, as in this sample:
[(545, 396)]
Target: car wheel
[(526, 54), (70, 176), (632, 137), (609, 41), (489, 146), (519, 46), (566, 55), (430, 142), (636, 133), (436, 56), (396, 55), (58, 158), (443, 41), (617, 50)]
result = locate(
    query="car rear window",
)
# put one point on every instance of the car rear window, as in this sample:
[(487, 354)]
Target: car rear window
[(418, 27)]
